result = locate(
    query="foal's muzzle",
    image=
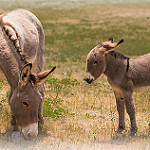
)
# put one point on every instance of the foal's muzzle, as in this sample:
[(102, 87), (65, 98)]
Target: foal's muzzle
[(88, 80)]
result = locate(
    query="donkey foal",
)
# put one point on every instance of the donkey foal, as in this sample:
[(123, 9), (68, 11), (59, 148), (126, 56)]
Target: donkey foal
[(124, 74)]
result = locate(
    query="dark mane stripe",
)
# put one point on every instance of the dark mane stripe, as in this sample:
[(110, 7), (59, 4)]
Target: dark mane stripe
[(19, 50), (118, 55)]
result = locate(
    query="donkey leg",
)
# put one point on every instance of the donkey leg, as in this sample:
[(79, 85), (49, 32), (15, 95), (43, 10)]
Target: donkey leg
[(131, 111), (121, 111), (15, 130), (40, 117), (14, 124), (40, 111)]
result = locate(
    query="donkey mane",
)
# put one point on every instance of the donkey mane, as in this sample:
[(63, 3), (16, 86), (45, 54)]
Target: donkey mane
[(14, 39), (118, 55)]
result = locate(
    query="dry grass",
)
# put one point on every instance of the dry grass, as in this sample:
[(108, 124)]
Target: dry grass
[(92, 113), (90, 122)]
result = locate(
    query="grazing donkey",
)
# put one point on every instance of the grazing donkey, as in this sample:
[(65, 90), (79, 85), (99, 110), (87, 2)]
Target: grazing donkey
[(21, 49), (124, 74)]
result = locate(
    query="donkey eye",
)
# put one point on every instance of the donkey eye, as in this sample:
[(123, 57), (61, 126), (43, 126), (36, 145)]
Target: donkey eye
[(95, 62), (25, 104)]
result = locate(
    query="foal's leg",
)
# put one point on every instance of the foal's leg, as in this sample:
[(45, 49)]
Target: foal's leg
[(131, 110), (121, 110)]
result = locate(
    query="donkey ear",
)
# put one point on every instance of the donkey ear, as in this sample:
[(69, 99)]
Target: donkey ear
[(25, 75), (110, 39), (41, 77), (110, 46)]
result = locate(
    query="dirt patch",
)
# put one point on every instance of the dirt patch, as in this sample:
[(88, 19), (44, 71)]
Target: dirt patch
[(48, 143)]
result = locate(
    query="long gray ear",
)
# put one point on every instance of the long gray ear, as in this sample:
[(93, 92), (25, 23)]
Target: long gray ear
[(44, 75), (41, 77), (110, 46), (24, 75), (110, 39)]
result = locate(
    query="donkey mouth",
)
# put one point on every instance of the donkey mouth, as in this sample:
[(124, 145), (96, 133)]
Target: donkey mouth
[(88, 80), (30, 131)]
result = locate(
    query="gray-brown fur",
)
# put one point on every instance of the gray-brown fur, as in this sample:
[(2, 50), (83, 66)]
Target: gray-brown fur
[(21, 49), (14, 37), (124, 74)]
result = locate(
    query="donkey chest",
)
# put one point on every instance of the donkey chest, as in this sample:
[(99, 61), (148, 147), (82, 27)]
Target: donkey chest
[(2, 76)]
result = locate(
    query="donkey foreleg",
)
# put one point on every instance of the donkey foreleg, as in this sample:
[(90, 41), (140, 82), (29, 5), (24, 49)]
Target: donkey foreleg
[(131, 111), (16, 130), (121, 111), (14, 124), (40, 117), (40, 111)]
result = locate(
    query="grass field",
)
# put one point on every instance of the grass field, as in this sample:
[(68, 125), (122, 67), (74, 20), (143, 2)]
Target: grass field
[(78, 115)]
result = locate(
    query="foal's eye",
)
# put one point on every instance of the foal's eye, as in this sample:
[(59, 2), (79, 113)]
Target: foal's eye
[(95, 62), (25, 104)]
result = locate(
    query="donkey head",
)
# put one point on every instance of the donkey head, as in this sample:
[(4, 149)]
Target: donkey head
[(96, 62), (25, 101)]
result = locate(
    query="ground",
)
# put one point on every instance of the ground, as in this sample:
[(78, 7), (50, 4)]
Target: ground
[(78, 115)]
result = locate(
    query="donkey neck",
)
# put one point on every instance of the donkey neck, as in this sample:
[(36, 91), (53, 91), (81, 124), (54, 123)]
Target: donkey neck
[(116, 65), (9, 60)]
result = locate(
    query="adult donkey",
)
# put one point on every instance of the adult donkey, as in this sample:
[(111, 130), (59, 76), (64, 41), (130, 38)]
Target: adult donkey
[(21, 48), (124, 74)]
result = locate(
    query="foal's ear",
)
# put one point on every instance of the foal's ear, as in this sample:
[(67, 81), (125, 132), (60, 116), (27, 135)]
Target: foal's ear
[(41, 77), (110, 46), (110, 39), (24, 75)]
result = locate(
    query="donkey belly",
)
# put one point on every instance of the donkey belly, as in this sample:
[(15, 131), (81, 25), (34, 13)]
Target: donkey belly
[(139, 89), (141, 85)]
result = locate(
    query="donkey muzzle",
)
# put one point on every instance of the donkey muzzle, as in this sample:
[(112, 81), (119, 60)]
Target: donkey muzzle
[(89, 78), (30, 131)]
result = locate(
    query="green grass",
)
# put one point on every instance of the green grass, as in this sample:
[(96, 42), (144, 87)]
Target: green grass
[(52, 103)]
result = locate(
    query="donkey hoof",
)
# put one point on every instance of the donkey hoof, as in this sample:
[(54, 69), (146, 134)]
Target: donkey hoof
[(120, 129), (133, 132), (15, 134)]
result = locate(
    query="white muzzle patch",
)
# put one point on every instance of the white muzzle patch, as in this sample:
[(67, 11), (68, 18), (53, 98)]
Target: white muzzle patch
[(89, 78), (30, 131)]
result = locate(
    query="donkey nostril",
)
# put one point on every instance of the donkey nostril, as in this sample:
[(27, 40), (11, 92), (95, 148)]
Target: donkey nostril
[(87, 79), (29, 135), (90, 81)]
